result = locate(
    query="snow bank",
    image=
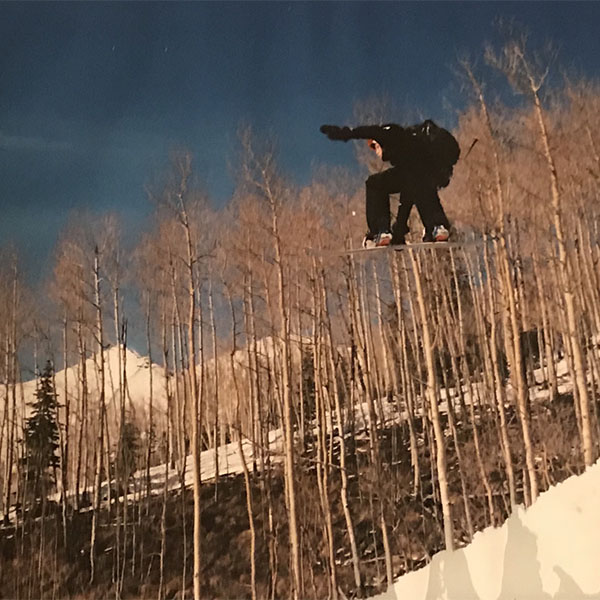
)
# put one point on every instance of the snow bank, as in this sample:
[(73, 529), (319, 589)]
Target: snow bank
[(549, 551)]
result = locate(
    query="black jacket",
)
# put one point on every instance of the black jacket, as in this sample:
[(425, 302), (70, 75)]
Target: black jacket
[(414, 147)]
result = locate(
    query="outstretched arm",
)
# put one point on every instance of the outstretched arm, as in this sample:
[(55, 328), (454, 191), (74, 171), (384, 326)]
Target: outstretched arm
[(380, 133), (333, 132)]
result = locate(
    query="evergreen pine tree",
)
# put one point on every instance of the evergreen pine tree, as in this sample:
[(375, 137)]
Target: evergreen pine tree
[(42, 437)]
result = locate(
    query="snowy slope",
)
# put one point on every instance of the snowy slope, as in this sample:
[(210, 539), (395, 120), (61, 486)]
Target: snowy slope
[(227, 460), (549, 551)]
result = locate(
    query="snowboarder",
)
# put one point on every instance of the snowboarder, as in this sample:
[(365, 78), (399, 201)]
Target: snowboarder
[(422, 158)]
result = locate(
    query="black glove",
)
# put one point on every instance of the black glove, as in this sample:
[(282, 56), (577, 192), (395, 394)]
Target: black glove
[(333, 132)]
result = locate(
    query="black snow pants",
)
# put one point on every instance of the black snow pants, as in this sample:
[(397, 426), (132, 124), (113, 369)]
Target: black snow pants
[(415, 188)]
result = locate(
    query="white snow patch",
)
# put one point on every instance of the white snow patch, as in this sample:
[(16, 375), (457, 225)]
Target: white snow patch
[(549, 551)]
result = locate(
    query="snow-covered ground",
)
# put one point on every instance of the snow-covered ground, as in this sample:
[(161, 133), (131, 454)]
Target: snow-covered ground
[(549, 551), (227, 460)]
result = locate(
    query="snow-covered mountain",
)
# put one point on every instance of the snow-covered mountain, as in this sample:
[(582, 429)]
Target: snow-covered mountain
[(138, 382), (136, 387)]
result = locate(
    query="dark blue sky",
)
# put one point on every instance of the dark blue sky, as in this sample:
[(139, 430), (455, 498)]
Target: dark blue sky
[(93, 95)]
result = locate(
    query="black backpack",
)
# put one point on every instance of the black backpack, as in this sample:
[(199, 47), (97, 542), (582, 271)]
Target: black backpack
[(443, 150)]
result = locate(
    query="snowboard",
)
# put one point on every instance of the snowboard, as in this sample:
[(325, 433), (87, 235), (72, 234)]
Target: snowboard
[(414, 246)]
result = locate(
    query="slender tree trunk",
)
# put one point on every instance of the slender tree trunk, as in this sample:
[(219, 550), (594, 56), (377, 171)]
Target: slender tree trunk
[(101, 418), (238, 426), (64, 440), (467, 377), (322, 463), (83, 406), (342, 441), (433, 398), (11, 391), (502, 255), (414, 450), (499, 387), (358, 311), (11, 419), (213, 327), (193, 377), (118, 559), (567, 287), (288, 424), (550, 367), (150, 429), (512, 344), (169, 399)]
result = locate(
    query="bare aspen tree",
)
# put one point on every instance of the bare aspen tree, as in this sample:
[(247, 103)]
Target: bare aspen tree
[(442, 306), (414, 451), (512, 343), (321, 401), (97, 493), (387, 375), (238, 427), (64, 437), (463, 350), (216, 380), (150, 428), (165, 251), (491, 302), (260, 175), (359, 326), (344, 496), (11, 379), (82, 389), (549, 365), (527, 77), (256, 391), (168, 439), (512, 331), (433, 399), (178, 361), (180, 200)]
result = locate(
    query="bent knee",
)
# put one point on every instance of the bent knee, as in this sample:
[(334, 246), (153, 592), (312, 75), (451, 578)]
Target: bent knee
[(375, 181)]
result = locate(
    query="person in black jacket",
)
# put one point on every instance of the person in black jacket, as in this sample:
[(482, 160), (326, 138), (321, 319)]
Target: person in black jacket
[(422, 157)]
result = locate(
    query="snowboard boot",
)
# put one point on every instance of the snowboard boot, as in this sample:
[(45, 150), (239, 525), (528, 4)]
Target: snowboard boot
[(377, 240), (438, 234)]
